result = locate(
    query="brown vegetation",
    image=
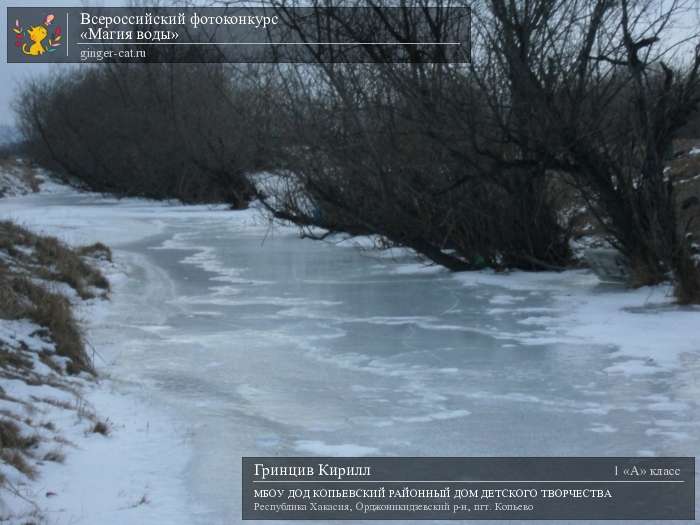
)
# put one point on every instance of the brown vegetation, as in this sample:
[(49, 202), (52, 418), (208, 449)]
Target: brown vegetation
[(25, 292), (47, 258), (19, 170), (13, 443), (30, 266)]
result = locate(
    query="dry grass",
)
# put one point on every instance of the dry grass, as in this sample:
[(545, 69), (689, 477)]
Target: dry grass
[(101, 427), (18, 461), (11, 437), (23, 170), (65, 265), (12, 445), (49, 259), (55, 455), (20, 298), (10, 359), (23, 295), (29, 265), (96, 251)]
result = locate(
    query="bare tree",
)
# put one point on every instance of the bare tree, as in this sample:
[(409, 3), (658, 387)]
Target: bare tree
[(182, 131), (588, 91), (401, 153)]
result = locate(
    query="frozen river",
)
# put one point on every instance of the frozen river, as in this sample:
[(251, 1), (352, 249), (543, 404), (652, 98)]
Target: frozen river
[(263, 344)]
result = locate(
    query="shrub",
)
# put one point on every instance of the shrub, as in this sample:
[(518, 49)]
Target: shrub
[(158, 130)]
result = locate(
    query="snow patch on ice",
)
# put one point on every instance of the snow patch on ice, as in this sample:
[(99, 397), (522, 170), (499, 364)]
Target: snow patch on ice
[(505, 299), (319, 448), (417, 268), (437, 416), (603, 428), (648, 332)]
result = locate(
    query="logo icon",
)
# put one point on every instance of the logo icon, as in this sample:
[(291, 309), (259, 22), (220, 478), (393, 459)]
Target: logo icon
[(33, 40)]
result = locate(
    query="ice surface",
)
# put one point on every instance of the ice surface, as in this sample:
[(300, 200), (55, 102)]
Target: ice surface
[(257, 343)]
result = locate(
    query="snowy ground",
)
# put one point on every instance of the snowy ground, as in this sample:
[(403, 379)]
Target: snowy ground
[(225, 339), (133, 474), (16, 178)]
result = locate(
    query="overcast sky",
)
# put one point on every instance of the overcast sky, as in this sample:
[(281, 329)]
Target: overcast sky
[(13, 74)]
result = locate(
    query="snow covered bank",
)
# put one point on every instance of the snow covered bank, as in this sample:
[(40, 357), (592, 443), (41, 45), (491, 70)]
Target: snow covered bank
[(44, 366), (138, 473), (129, 475), (17, 177), (647, 331), (75, 448)]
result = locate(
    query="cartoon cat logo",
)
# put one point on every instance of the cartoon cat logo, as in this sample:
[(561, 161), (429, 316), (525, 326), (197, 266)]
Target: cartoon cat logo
[(33, 44), (37, 35)]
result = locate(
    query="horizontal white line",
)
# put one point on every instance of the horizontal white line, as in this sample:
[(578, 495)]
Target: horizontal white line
[(471, 481), (269, 43)]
